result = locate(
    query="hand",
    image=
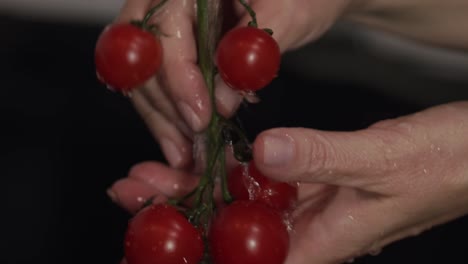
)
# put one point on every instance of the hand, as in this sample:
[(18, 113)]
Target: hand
[(363, 190), (359, 191), (175, 104)]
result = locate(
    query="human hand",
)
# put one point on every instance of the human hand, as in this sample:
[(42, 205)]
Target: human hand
[(359, 191), (175, 104), (362, 190)]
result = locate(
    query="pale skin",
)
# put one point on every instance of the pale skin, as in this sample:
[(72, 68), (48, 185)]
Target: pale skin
[(359, 190)]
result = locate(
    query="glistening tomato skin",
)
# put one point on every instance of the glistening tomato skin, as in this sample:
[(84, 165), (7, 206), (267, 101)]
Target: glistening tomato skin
[(248, 58), (246, 182), (126, 56), (159, 234), (248, 232)]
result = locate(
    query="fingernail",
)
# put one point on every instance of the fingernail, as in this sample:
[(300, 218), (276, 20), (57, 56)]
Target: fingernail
[(278, 150), (190, 116), (172, 153), (227, 98)]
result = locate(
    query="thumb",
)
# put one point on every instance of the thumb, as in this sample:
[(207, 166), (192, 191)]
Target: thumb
[(269, 16), (295, 23), (353, 159)]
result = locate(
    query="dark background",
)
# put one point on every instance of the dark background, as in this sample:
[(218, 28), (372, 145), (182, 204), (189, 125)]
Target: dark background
[(64, 138)]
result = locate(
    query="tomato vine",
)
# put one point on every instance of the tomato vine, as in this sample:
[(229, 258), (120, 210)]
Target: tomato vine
[(151, 231)]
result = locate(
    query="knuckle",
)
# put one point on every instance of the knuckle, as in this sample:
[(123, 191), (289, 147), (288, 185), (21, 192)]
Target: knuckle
[(318, 155)]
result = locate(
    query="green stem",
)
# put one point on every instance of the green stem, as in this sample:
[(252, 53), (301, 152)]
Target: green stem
[(206, 178), (151, 12), (207, 35), (252, 14), (224, 186)]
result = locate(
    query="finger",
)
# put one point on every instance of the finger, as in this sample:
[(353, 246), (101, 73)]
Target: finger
[(309, 19), (160, 102), (133, 10), (169, 182), (176, 148), (353, 159), (276, 17), (132, 194), (227, 100), (180, 74)]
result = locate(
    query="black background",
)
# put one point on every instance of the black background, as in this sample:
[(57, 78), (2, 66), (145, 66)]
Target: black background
[(64, 139)]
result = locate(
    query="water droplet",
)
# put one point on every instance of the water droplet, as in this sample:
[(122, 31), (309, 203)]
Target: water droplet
[(288, 222), (374, 252), (425, 171), (252, 185), (351, 217)]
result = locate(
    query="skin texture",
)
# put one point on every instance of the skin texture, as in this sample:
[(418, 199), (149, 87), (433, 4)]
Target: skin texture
[(359, 191)]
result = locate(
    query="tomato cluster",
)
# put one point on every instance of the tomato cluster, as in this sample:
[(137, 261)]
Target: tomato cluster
[(250, 230), (127, 55)]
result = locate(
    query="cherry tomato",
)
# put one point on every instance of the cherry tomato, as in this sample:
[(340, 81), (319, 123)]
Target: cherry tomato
[(248, 58), (246, 182), (248, 232), (161, 234), (126, 56)]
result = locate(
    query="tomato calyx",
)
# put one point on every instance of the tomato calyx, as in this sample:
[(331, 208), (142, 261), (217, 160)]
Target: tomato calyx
[(151, 28), (253, 15), (234, 136)]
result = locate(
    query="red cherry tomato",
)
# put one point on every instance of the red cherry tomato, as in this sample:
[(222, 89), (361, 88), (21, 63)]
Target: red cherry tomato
[(248, 58), (161, 234), (246, 182), (248, 232), (126, 56)]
